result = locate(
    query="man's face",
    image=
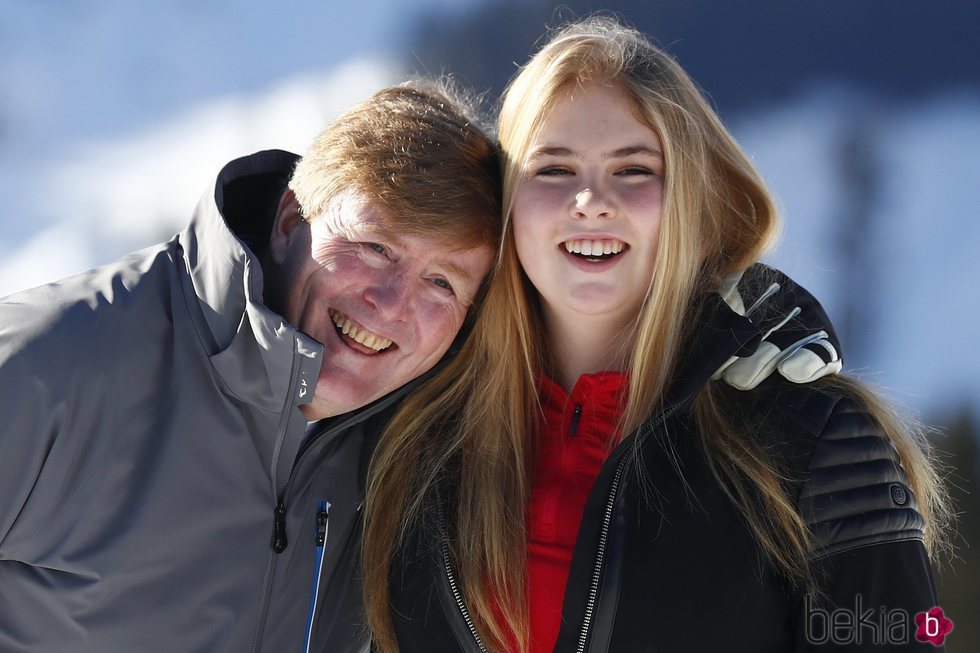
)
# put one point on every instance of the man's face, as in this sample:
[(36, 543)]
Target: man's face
[(386, 306)]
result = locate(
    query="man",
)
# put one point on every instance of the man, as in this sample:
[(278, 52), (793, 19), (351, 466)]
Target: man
[(160, 488)]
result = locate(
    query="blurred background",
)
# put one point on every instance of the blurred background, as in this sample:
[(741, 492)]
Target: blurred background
[(863, 115)]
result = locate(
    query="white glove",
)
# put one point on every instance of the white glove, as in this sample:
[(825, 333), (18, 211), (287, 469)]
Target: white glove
[(800, 345)]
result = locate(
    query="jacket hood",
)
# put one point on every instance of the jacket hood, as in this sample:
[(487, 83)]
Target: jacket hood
[(230, 220)]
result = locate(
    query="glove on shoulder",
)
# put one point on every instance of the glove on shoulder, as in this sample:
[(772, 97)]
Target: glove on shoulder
[(799, 341)]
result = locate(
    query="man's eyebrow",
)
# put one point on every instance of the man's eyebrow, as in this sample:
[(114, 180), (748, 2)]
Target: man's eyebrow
[(444, 263), (452, 268)]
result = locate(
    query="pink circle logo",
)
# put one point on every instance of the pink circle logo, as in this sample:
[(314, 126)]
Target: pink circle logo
[(932, 626)]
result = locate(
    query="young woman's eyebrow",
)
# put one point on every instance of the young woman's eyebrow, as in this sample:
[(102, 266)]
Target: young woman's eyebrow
[(549, 150), (634, 149), (552, 150)]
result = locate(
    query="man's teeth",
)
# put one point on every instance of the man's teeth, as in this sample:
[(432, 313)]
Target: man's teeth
[(594, 247), (360, 335)]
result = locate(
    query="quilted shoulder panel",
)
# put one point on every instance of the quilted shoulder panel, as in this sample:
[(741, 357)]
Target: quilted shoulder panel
[(856, 492)]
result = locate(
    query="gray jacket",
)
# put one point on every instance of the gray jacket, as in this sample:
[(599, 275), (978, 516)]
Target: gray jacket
[(157, 492)]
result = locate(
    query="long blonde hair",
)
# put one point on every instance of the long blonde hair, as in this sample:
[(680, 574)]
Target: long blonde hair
[(477, 417)]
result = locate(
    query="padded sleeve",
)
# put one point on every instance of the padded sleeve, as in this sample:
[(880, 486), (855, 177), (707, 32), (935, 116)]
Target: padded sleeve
[(870, 563), (856, 493)]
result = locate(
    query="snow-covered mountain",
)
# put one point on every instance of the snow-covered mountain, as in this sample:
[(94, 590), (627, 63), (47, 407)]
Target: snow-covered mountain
[(114, 117)]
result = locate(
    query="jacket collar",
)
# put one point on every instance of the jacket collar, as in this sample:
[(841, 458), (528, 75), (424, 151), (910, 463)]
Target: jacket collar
[(252, 348)]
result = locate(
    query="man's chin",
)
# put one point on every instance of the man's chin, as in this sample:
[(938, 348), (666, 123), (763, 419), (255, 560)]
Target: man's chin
[(340, 402)]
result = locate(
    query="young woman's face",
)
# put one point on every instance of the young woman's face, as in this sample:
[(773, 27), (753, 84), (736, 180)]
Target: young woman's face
[(587, 212)]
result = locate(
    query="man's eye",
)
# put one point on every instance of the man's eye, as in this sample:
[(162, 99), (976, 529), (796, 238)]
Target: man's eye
[(379, 248), (442, 283)]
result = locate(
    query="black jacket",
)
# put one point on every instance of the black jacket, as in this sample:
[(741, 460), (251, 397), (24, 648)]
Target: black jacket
[(673, 567)]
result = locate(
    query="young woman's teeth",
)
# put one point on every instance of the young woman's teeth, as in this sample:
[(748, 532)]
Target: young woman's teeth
[(357, 334), (594, 248)]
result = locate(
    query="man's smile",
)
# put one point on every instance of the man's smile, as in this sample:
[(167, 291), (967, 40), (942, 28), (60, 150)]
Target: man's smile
[(352, 331)]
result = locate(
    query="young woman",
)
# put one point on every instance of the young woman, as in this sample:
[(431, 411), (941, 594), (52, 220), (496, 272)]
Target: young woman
[(626, 456)]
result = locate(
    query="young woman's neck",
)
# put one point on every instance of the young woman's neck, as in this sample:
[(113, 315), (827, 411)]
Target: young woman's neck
[(585, 344)]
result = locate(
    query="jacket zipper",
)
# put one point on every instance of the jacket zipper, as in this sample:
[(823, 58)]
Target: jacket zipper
[(459, 597), (454, 586), (593, 596), (279, 540), (600, 559), (280, 521), (284, 417), (279, 514), (576, 417), (322, 522)]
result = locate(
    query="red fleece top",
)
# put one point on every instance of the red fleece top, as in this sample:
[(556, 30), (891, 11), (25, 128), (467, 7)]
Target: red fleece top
[(573, 442)]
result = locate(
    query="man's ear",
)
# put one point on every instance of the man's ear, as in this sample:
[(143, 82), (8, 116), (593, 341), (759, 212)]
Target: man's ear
[(289, 216)]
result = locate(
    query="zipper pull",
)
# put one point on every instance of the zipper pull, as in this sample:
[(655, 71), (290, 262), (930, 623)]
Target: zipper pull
[(576, 416), (322, 517), (279, 541)]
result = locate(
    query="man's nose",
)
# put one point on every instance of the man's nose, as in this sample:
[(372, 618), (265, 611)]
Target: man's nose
[(593, 202), (391, 295)]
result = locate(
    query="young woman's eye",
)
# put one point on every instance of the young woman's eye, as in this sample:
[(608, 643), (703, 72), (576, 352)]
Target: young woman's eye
[(631, 171), (553, 171)]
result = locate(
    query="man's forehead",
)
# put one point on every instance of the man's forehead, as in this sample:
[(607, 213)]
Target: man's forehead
[(354, 211), (357, 213)]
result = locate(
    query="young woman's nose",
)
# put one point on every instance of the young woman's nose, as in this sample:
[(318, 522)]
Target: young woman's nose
[(592, 202)]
